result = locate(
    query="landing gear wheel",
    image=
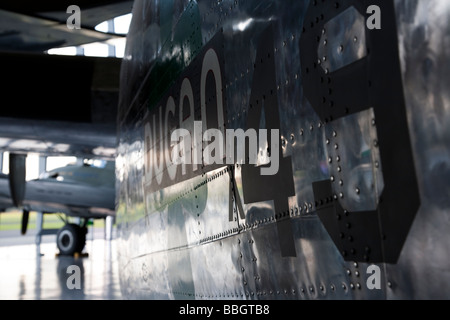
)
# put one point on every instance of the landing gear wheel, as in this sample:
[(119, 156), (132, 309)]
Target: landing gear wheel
[(82, 231), (70, 239)]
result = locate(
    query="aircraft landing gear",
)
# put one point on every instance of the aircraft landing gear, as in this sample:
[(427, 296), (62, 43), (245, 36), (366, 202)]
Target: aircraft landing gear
[(71, 239)]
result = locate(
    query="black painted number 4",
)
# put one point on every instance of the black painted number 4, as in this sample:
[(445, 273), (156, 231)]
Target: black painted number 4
[(280, 186)]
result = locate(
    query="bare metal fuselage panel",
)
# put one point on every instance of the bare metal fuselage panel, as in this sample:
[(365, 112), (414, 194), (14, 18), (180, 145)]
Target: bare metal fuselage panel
[(360, 104)]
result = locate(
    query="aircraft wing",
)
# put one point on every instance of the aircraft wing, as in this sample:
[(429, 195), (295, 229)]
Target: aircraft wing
[(59, 105)]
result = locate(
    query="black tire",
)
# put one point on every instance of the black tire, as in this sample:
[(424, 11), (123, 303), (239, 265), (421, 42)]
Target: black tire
[(69, 239), (82, 231)]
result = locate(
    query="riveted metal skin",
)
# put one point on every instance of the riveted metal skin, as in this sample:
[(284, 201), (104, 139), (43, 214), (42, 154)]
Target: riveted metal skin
[(363, 76), (337, 204)]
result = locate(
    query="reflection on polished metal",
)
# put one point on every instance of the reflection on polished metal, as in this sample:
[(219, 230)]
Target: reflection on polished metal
[(343, 41), (34, 272), (364, 143)]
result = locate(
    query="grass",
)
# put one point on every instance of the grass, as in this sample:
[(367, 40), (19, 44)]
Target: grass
[(12, 220)]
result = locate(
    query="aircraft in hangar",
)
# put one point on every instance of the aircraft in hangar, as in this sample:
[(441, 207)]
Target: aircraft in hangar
[(284, 150), (85, 190), (58, 105)]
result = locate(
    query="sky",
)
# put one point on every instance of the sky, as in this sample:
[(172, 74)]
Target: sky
[(100, 49)]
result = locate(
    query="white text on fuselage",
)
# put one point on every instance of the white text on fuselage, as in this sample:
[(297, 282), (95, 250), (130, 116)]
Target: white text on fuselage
[(177, 153)]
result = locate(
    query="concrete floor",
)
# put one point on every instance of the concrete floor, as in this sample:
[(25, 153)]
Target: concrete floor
[(32, 272)]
